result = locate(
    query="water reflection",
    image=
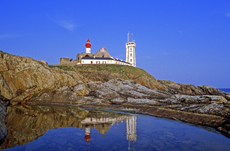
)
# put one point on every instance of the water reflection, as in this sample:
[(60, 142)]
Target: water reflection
[(131, 133), (69, 128), (27, 124), (103, 124)]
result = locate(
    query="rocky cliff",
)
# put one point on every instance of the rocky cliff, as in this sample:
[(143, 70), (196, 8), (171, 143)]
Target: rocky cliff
[(24, 80), (22, 77)]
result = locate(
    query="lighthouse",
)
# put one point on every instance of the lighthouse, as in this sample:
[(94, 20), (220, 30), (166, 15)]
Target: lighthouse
[(130, 52), (88, 46)]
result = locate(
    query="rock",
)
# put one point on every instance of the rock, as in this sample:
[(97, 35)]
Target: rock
[(118, 100), (178, 88), (81, 89), (210, 90), (3, 129), (142, 101), (211, 108), (124, 88), (227, 97), (188, 99), (189, 89), (104, 73), (65, 95), (22, 77), (216, 99)]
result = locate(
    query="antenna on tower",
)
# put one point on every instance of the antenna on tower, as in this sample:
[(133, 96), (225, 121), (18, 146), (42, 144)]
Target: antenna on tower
[(128, 36)]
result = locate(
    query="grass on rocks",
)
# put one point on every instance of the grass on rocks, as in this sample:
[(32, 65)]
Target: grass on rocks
[(107, 72), (65, 68)]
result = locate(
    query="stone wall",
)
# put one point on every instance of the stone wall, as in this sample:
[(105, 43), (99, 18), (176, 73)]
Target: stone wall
[(80, 55), (65, 60)]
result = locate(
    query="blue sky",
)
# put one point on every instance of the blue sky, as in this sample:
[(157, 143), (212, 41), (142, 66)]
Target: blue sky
[(183, 41)]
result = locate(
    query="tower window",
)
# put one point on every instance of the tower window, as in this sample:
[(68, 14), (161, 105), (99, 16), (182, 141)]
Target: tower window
[(131, 49), (130, 54), (130, 60), (103, 55)]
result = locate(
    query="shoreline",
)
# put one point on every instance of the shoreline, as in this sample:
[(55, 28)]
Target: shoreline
[(219, 123)]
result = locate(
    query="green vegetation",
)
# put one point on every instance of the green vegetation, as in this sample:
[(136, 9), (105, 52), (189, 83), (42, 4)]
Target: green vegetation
[(107, 72), (65, 68), (125, 71)]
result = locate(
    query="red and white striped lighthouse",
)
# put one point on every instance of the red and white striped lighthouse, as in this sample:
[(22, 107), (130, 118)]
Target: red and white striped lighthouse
[(88, 46)]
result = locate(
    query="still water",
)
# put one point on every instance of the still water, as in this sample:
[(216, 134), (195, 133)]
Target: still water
[(67, 128)]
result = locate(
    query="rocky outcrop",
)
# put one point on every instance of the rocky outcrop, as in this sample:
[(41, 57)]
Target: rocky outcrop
[(104, 73), (3, 129), (22, 77), (189, 89), (130, 93), (25, 80), (115, 91), (119, 91)]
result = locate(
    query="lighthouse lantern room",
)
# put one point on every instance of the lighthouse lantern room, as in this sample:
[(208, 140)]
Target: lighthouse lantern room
[(88, 46)]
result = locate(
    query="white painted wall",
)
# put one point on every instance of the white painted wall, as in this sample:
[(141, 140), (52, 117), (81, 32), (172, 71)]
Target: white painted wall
[(130, 53), (102, 61), (88, 50)]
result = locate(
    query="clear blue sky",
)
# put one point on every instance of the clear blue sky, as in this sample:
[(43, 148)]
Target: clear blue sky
[(186, 41)]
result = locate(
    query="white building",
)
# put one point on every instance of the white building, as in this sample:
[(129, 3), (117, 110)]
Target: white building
[(102, 56)]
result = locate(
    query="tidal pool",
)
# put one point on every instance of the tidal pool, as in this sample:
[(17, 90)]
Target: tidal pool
[(68, 128)]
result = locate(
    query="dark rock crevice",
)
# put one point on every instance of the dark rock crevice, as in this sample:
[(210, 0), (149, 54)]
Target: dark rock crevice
[(3, 113)]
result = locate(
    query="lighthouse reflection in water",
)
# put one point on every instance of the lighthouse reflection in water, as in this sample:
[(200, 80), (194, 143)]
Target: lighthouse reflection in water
[(64, 128), (131, 124)]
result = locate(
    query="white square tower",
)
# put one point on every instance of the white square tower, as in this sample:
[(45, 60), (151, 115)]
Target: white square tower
[(130, 52)]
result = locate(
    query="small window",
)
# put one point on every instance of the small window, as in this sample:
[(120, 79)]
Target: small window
[(103, 55), (131, 49), (130, 54), (130, 60)]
